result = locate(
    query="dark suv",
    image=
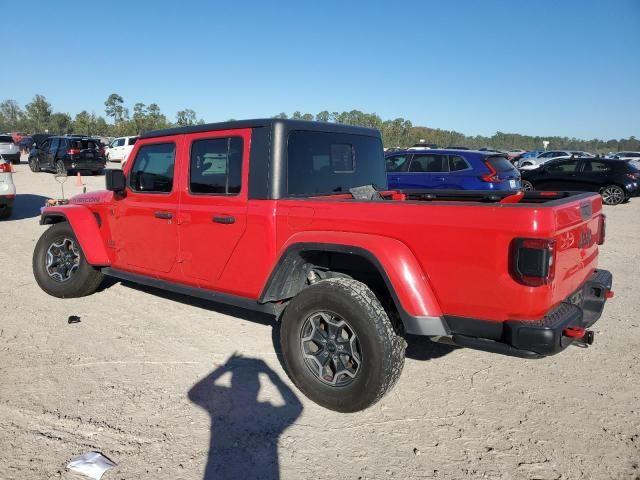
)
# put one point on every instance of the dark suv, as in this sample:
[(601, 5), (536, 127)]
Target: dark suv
[(615, 180), (62, 154)]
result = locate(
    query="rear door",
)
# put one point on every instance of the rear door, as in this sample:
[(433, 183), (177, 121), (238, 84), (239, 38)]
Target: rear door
[(461, 175), (593, 174), (213, 207), (426, 171), (145, 233), (559, 175)]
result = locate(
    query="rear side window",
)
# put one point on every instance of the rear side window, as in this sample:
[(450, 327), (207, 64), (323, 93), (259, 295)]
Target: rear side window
[(6, 139), (397, 163), (429, 163), (216, 166), (325, 162), (457, 163), (501, 164), (152, 170)]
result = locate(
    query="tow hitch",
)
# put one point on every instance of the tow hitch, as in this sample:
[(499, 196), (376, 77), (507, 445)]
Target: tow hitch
[(581, 336)]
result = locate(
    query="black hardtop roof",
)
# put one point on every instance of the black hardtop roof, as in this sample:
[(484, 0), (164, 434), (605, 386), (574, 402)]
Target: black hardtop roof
[(265, 123)]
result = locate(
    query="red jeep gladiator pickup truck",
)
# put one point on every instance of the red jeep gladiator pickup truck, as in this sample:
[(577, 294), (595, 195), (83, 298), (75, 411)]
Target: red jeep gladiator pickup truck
[(292, 218)]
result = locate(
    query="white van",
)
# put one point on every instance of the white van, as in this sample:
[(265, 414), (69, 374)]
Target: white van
[(120, 149)]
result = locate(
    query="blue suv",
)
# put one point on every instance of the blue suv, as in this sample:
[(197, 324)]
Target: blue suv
[(452, 169)]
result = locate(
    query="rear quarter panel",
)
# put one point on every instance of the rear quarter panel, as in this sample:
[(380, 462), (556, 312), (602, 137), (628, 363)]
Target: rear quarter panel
[(463, 248)]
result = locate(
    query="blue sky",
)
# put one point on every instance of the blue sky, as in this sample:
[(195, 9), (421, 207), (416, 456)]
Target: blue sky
[(539, 67)]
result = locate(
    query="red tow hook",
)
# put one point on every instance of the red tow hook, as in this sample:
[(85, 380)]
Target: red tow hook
[(581, 335), (609, 294)]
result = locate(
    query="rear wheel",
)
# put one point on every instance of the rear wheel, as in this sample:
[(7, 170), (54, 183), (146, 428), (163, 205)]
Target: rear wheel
[(527, 186), (612, 195), (339, 346), (60, 267), (60, 168), (34, 164)]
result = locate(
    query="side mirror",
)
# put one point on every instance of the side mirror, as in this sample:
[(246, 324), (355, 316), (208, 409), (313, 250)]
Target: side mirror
[(115, 180)]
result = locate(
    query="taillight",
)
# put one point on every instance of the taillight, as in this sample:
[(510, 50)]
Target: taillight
[(5, 168), (492, 175), (602, 228), (532, 261), (73, 151)]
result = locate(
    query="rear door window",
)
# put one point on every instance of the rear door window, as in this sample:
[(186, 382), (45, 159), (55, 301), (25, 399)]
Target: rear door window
[(429, 163), (153, 167), (563, 167), (457, 163), (216, 166), (596, 167)]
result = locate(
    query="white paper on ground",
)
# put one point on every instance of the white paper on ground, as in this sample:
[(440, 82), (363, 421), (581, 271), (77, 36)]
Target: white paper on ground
[(91, 464)]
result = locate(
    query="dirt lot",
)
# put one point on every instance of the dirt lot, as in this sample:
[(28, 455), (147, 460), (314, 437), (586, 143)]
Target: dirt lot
[(164, 385)]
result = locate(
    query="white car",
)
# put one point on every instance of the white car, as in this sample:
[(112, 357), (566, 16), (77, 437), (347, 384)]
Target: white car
[(8, 149), (530, 163), (7, 189), (627, 156), (120, 149)]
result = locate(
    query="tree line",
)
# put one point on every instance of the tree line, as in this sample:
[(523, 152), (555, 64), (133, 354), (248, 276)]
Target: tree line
[(38, 116)]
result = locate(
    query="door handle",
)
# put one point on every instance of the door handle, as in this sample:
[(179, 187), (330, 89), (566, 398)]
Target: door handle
[(163, 215), (224, 219)]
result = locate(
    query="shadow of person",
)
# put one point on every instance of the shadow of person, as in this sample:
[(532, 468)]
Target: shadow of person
[(244, 431)]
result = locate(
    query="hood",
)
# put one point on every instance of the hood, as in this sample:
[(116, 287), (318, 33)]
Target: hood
[(101, 196)]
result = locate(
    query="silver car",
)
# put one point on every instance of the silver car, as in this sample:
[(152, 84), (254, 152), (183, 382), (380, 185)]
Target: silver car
[(8, 149), (7, 188)]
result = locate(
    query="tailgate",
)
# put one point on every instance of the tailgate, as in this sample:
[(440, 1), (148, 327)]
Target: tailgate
[(579, 230)]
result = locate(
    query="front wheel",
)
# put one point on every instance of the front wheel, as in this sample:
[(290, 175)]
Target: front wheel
[(527, 186), (612, 195), (60, 267), (339, 346)]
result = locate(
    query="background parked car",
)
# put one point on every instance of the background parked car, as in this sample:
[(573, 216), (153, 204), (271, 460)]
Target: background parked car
[(7, 189), (120, 148), (616, 180), (534, 162), (422, 146), (450, 169), (626, 156), (62, 154), (9, 149)]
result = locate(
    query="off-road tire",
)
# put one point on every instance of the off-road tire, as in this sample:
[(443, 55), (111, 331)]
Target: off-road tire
[(382, 350), (34, 164), (84, 281)]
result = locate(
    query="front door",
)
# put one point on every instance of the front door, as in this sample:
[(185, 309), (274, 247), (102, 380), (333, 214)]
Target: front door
[(559, 175), (145, 232), (50, 153), (213, 208)]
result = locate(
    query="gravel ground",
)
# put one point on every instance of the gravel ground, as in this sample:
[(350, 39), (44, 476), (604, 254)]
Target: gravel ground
[(164, 385)]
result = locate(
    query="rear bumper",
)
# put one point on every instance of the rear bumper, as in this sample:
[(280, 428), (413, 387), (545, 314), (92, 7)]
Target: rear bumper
[(93, 165), (539, 338)]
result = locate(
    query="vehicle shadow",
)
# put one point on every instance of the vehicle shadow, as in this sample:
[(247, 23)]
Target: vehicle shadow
[(26, 205), (421, 348), (244, 431)]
